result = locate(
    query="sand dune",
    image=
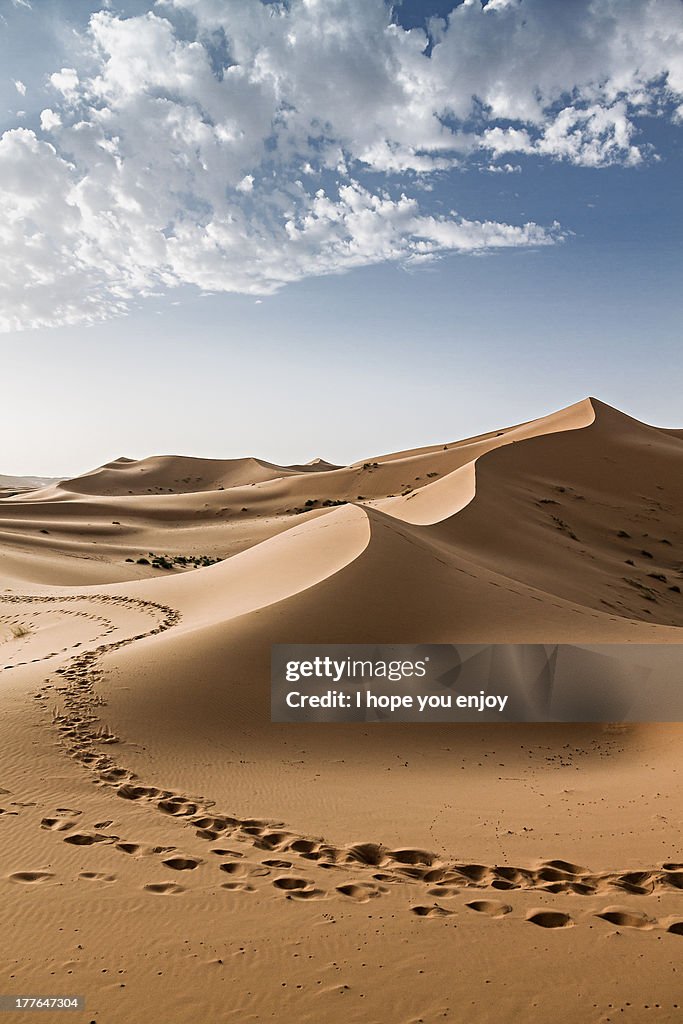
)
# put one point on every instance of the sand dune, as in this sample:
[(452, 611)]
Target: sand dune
[(148, 802), (175, 475), (450, 493), (13, 485)]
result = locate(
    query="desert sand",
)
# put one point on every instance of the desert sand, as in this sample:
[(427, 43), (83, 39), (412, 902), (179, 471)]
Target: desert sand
[(173, 856)]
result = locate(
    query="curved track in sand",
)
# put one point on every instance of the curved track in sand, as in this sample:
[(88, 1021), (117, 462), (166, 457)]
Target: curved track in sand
[(253, 853)]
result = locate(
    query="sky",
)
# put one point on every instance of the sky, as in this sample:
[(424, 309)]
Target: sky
[(332, 228)]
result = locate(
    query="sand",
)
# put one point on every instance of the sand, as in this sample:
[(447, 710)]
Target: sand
[(173, 856)]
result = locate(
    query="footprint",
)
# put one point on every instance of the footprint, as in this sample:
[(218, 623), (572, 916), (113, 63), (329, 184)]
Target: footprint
[(176, 806), (550, 874), (474, 872), (361, 892), (233, 868), (306, 894), (128, 792), (626, 918), (238, 887), (433, 911), (492, 908), (445, 892), (183, 863), (412, 857), (273, 840), (366, 853), (57, 824), (550, 919), (639, 883), (129, 848), (86, 839), (163, 888), (306, 847), (258, 870), (436, 875), (676, 928), (567, 867), (96, 876), (289, 883), (31, 877)]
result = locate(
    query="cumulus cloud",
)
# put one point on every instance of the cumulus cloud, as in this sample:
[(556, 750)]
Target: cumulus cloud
[(501, 169), (593, 136), (241, 147), (49, 120), (20, 87), (65, 82)]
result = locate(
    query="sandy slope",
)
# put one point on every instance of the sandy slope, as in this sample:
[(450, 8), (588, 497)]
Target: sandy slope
[(13, 485), (391, 874)]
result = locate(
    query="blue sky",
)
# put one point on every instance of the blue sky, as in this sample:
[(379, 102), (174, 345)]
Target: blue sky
[(292, 232)]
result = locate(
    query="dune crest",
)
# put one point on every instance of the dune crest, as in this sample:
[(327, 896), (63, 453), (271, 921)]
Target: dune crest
[(449, 494)]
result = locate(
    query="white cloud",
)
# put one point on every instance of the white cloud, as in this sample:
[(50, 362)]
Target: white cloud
[(20, 87), (283, 141), (502, 169), (49, 120), (65, 81), (48, 274), (593, 136)]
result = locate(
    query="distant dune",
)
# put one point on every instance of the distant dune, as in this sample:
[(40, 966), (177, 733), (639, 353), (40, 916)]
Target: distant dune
[(139, 603), (178, 475), (10, 485)]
